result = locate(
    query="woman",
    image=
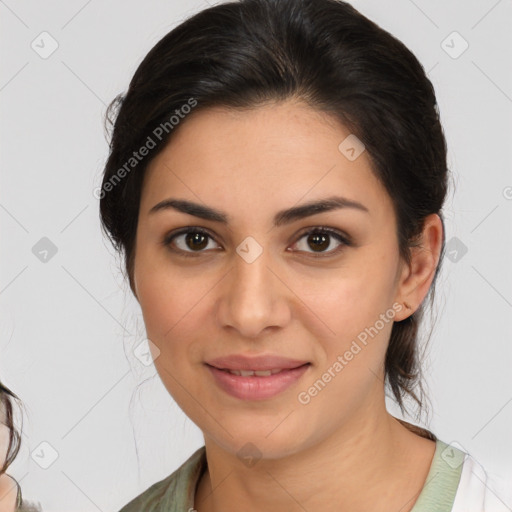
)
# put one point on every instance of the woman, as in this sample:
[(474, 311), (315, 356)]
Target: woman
[(276, 177), (10, 491), (11, 499)]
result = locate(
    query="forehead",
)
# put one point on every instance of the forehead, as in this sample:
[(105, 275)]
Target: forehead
[(273, 155)]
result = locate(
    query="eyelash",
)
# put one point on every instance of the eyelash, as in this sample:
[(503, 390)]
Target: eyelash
[(320, 230)]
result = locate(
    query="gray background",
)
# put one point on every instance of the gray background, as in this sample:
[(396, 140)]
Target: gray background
[(69, 325)]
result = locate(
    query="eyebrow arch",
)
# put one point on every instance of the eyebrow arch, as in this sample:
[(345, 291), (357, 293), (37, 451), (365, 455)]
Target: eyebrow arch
[(283, 217)]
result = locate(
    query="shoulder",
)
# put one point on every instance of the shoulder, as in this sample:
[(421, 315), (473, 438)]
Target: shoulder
[(478, 491), (174, 492), (8, 492), (11, 498)]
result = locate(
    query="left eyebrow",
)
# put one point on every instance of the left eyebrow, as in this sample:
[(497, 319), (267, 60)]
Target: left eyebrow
[(281, 218)]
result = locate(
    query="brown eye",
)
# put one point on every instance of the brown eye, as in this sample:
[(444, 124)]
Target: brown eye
[(189, 241), (321, 241), (318, 241), (195, 240)]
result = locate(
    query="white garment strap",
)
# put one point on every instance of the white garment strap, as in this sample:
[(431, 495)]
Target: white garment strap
[(477, 493)]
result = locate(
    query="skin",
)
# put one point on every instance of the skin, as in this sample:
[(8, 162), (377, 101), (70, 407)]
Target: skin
[(8, 493), (8, 489), (343, 447)]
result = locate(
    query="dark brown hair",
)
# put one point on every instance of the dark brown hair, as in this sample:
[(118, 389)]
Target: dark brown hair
[(247, 53), (14, 437)]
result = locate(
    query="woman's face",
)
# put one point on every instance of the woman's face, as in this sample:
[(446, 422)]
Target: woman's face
[(248, 285)]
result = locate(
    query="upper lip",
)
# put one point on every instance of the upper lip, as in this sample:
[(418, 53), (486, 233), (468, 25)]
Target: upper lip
[(265, 362)]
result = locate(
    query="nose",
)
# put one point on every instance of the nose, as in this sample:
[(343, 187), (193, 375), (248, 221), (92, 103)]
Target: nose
[(254, 297)]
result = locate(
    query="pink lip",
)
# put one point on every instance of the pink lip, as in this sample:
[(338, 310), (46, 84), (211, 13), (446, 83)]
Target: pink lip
[(267, 362), (256, 387)]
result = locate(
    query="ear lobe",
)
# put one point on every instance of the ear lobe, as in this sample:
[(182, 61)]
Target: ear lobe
[(135, 290)]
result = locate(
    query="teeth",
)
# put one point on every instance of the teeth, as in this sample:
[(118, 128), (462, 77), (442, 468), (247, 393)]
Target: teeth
[(259, 373), (263, 373)]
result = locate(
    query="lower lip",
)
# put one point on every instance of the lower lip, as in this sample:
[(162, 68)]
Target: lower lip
[(255, 387)]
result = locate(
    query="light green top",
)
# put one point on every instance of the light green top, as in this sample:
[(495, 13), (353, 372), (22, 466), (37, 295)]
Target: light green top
[(176, 492)]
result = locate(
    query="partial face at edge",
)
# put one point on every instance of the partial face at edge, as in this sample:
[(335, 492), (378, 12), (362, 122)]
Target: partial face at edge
[(307, 296)]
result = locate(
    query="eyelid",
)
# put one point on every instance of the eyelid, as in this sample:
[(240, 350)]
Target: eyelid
[(344, 239), (325, 229)]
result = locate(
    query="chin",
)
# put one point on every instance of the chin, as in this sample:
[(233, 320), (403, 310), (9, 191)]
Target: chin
[(263, 442)]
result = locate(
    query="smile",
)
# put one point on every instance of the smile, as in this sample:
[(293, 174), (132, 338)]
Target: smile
[(258, 373), (256, 384)]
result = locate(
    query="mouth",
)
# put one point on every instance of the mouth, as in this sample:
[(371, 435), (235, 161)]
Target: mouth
[(258, 373), (246, 384)]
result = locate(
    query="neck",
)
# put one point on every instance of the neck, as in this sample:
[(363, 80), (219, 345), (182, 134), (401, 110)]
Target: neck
[(372, 460)]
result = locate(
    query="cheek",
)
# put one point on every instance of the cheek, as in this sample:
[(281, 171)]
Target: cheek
[(162, 294), (170, 310), (353, 318), (173, 308), (347, 304), (351, 362)]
